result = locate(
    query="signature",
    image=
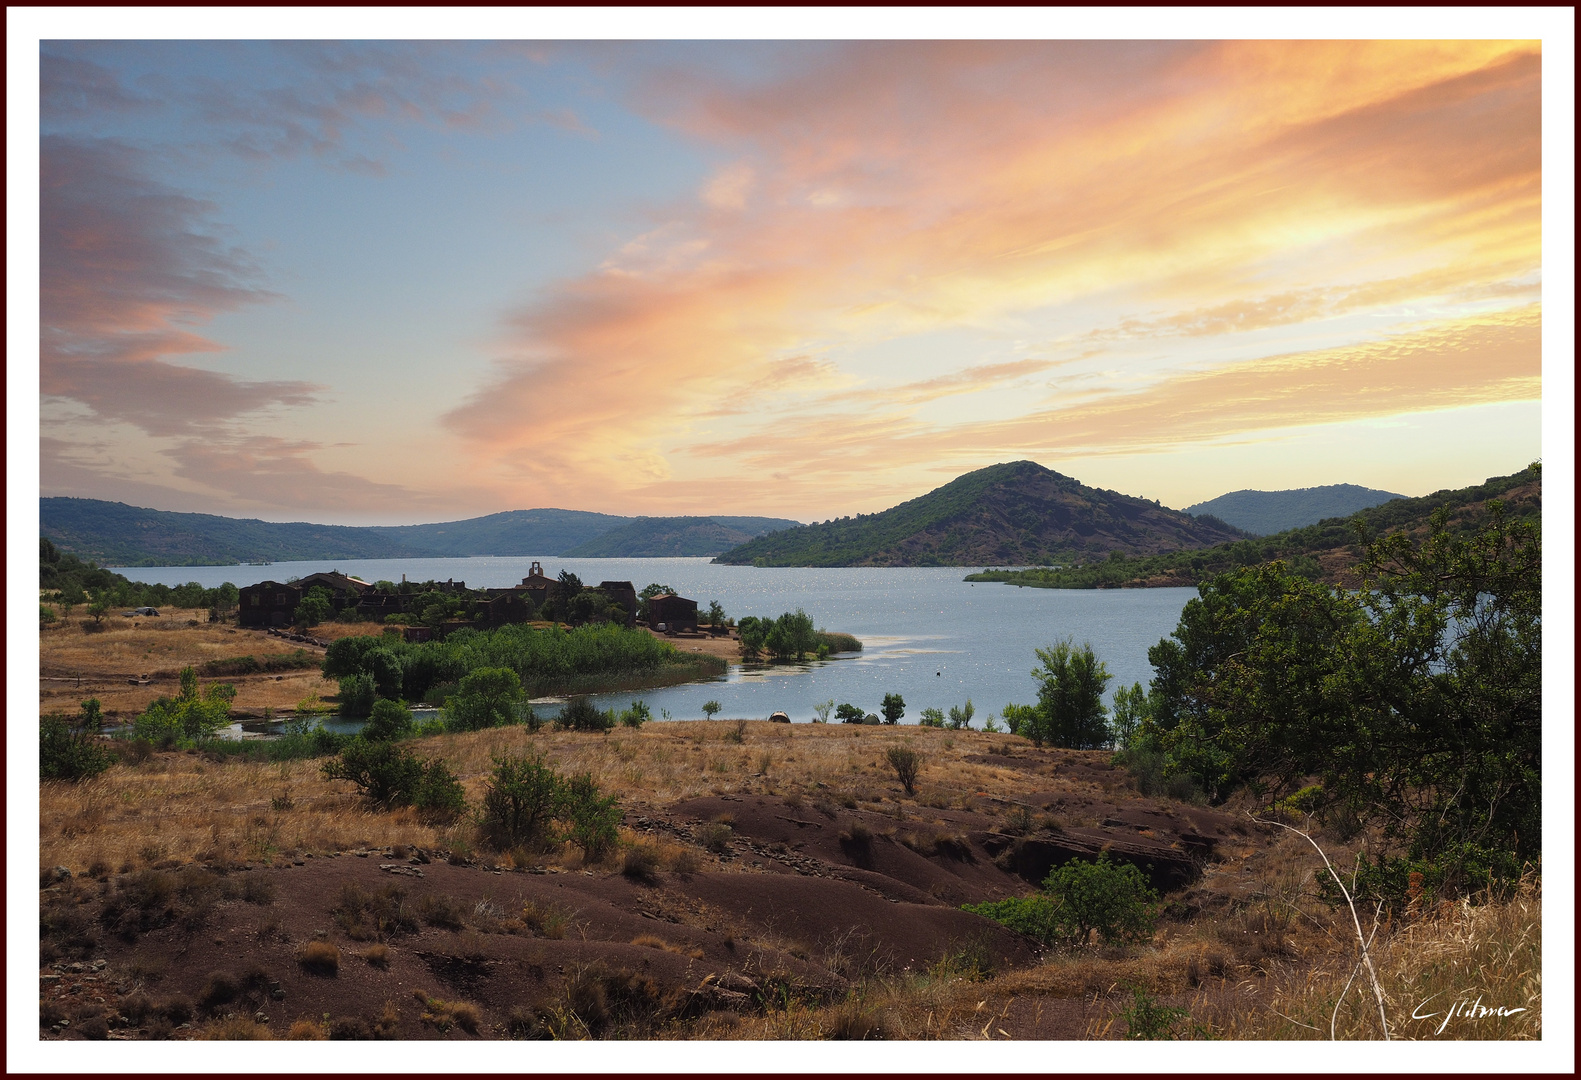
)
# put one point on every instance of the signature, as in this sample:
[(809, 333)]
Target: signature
[(1466, 1010)]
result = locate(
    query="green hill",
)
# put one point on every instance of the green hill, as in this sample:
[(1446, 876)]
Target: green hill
[(661, 537), (1263, 513), (513, 532), (1325, 551), (1015, 513)]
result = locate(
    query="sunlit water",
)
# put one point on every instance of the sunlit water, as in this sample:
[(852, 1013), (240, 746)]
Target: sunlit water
[(927, 635)]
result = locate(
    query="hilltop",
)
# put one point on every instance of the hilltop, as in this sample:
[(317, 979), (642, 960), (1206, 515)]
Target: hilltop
[(115, 534), (1263, 513), (1017, 513), (1326, 551)]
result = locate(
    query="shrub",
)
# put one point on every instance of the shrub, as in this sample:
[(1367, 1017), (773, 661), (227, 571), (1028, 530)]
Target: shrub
[(320, 958), (388, 721), (189, 715), (377, 955), (906, 763), (961, 716), (1110, 898), (1145, 1018), (637, 715), (641, 862), (439, 794), (710, 708), (64, 754), (592, 818), (849, 714), (894, 707), (306, 1030), (389, 775), (522, 797), (1034, 916), (932, 717), (715, 836), (580, 714)]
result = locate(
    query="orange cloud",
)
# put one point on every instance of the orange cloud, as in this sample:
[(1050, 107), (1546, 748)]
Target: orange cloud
[(1079, 193)]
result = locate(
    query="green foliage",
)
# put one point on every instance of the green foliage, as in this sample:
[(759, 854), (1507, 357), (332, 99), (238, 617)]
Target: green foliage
[(520, 801), (188, 716), (295, 660), (932, 717), (822, 710), (1415, 701), (792, 636), (961, 716), (1070, 710), (894, 707), (315, 607), (1034, 916), (46, 614), (591, 817), (710, 708), (1110, 899), (1131, 707), (68, 754), (1145, 1018), (99, 605), (357, 695), (388, 721), (580, 714), (849, 714), (485, 698), (90, 715), (389, 775), (716, 613), (753, 633), (637, 715)]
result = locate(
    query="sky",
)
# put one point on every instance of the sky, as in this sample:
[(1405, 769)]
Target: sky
[(384, 282)]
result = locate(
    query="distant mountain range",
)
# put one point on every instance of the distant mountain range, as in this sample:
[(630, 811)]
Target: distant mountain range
[(114, 534), (1014, 514), (1263, 513)]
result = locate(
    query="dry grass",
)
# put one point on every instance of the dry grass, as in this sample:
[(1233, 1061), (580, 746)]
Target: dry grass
[(106, 658)]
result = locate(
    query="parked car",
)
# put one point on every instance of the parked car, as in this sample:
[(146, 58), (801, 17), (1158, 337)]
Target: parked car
[(141, 611)]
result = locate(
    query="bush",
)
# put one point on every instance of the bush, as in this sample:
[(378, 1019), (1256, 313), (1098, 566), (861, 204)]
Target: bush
[(320, 958), (580, 714), (932, 717), (849, 714), (521, 800), (637, 715), (710, 708), (64, 754), (592, 818), (439, 794), (388, 775), (1110, 898), (486, 697), (894, 707), (1034, 916), (389, 720), (906, 763), (189, 715)]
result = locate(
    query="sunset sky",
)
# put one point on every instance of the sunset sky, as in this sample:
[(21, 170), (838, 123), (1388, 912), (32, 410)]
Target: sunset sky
[(402, 281)]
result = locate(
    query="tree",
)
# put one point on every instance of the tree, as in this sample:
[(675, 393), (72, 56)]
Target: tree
[(65, 754), (389, 720), (849, 714), (1070, 697), (1416, 700), (932, 717), (316, 607), (822, 710), (1131, 707), (753, 633), (1020, 719), (486, 697), (894, 707), (99, 606), (520, 801), (71, 595), (1110, 898), (648, 593), (588, 606), (710, 708), (961, 716), (792, 636), (716, 614)]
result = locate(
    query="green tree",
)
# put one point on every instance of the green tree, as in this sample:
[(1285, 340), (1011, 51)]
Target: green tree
[(1021, 719), (1131, 707), (849, 714), (388, 721), (589, 606), (792, 636), (753, 633), (46, 614), (100, 605), (1109, 898), (65, 754), (315, 607), (486, 697), (932, 717), (520, 801), (592, 817), (961, 716), (71, 595), (1071, 683), (710, 708), (822, 710), (716, 614), (894, 707)]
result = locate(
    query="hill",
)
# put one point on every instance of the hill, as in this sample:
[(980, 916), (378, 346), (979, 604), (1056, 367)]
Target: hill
[(662, 537), (115, 534), (1015, 513), (1263, 513), (1325, 551)]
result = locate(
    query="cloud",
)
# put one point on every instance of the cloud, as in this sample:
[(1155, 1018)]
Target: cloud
[(127, 266), (879, 191)]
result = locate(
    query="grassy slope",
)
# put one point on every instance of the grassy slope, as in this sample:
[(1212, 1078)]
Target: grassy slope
[(1018, 512), (1325, 551)]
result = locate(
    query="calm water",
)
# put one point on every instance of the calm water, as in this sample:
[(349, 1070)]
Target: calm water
[(927, 635)]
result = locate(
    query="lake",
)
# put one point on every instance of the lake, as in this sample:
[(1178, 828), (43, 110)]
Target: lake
[(927, 635)]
